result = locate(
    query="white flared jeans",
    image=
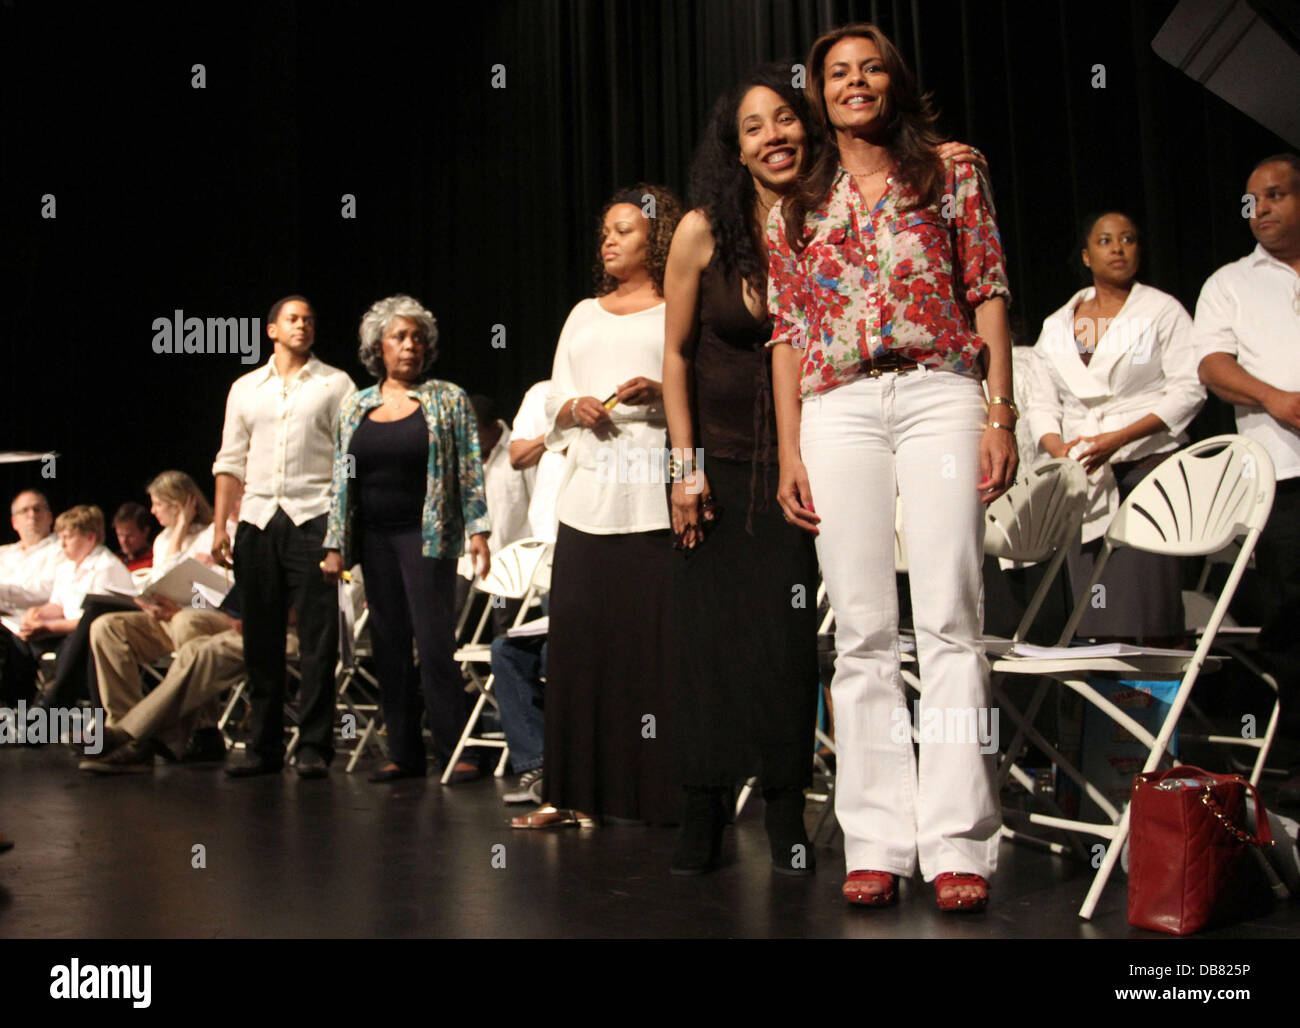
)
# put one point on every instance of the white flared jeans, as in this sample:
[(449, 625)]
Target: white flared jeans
[(914, 435)]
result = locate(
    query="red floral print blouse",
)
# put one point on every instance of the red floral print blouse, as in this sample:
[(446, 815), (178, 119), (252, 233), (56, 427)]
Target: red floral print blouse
[(884, 280)]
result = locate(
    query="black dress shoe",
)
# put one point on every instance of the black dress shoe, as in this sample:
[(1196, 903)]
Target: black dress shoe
[(206, 746), (393, 772), (311, 764), (1288, 794), (249, 763)]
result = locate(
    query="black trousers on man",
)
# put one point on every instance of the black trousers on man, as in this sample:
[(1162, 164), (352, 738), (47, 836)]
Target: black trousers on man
[(1277, 563), (277, 567)]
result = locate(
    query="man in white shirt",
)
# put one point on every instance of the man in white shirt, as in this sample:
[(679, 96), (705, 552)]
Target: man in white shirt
[(1247, 340), (27, 567), (90, 568), (507, 489), (278, 440), (528, 451)]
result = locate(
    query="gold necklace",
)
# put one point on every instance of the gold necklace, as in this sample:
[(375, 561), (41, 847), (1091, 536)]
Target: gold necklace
[(868, 174)]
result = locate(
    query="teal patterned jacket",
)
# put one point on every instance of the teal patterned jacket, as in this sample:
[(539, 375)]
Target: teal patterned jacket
[(455, 504)]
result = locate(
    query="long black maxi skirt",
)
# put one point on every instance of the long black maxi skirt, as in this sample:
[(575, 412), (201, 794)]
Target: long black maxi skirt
[(745, 623), (609, 717)]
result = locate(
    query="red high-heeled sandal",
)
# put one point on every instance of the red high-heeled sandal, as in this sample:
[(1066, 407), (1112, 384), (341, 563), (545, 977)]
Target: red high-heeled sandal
[(855, 893), (956, 903)]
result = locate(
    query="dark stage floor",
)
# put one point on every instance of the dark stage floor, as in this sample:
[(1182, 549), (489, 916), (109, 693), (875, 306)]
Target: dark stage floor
[(341, 858)]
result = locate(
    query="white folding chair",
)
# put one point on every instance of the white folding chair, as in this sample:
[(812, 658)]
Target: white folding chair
[(1035, 521), (356, 687), (519, 572), (1192, 504), (1235, 641)]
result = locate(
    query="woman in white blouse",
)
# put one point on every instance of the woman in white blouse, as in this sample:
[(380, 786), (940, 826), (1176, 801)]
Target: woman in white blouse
[(1115, 387), (119, 642), (607, 751)]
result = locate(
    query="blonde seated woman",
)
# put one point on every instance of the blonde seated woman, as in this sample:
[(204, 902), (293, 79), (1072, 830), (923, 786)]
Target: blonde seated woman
[(121, 642)]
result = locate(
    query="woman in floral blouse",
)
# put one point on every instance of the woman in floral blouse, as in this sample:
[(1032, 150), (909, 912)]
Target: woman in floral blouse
[(407, 490), (888, 296)]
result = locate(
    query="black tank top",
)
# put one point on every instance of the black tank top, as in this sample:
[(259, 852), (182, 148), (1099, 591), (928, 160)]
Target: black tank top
[(732, 379), (392, 471)]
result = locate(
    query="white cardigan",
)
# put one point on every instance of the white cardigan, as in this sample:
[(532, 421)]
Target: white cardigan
[(1143, 364)]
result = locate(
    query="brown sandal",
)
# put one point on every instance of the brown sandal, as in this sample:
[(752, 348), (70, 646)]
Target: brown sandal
[(551, 816)]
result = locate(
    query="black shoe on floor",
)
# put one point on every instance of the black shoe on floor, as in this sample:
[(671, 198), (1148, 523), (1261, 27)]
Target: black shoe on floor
[(134, 757), (699, 846), (311, 764), (792, 853), (248, 763), (206, 746)]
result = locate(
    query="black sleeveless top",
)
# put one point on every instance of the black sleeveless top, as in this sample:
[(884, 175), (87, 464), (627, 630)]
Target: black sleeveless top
[(392, 471), (733, 390)]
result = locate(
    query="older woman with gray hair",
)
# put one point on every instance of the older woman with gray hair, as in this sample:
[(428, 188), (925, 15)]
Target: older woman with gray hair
[(408, 488)]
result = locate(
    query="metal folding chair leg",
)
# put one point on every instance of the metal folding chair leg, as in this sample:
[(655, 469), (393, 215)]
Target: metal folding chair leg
[(468, 738)]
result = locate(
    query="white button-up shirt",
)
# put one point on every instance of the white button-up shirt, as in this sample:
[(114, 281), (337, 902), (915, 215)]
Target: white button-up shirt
[(278, 440), (198, 540), (1143, 365), (1250, 309), (27, 575), (531, 422), (99, 571), (507, 495)]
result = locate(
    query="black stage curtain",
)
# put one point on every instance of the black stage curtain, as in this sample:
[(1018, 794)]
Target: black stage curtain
[(481, 201)]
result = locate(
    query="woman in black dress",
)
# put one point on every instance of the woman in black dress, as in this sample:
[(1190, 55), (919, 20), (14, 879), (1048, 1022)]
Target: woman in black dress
[(745, 588), (745, 591)]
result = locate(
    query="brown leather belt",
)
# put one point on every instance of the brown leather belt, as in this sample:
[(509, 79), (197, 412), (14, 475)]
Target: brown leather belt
[(889, 362)]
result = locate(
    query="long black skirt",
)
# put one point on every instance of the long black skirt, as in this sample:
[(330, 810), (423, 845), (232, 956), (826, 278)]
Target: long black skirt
[(1141, 594), (745, 623), (609, 717)]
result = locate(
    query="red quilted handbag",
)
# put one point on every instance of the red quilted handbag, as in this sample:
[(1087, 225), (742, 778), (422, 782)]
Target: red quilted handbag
[(1187, 829)]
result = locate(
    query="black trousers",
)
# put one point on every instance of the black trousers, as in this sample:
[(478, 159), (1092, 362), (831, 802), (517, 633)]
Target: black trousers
[(279, 566), (18, 663), (413, 597), (74, 673), (1277, 563)]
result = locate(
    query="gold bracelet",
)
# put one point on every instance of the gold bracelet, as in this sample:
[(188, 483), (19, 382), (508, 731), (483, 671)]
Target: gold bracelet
[(1005, 403), (998, 424)]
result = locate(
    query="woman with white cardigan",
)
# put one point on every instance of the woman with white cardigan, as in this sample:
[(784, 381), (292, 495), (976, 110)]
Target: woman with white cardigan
[(1115, 387)]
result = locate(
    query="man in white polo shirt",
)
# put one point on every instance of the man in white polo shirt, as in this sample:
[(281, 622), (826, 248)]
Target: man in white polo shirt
[(1247, 340), (278, 440), (27, 567)]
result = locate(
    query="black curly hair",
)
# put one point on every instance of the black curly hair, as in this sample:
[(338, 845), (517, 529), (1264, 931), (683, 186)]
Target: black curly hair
[(1086, 225), (667, 212), (722, 187)]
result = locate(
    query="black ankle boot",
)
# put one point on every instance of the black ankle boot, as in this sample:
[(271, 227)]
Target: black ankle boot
[(699, 847), (792, 853)]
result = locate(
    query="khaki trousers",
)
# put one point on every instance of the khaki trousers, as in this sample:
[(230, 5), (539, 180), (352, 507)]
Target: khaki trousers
[(121, 642), (203, 669)]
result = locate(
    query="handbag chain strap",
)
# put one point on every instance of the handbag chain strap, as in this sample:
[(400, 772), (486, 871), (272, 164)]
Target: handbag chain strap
[(1237, 833)]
